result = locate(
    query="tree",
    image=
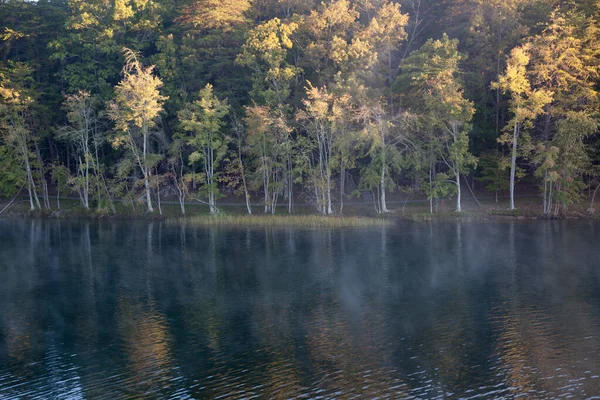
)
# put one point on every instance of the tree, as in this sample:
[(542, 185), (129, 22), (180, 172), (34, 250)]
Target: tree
[(84, 134), (15, 122), (60, 176), (494, 168), (215, 14), (136, 107), (330, 40), (265, 53), (202, 46), (237, 168), (389, 140), (432, 75), (269, 141), (177, 170), (525, 104), (317, 118), (564, 160), (386, 32), (560, 64), (204, 120), (346, 139), (95, 32)]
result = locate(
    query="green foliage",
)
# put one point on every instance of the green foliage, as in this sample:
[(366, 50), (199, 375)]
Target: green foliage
[(331, 96), (203, 120), (13, 177), (265, 54), (494, 170)]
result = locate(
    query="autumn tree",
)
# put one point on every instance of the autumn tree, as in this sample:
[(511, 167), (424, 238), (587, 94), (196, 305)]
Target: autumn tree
[(525, 103), (203, 120), (95, 32), (571, 77), (389, 141), (265, 54), (15, 123), (563, 161), (84, 134), (135, 110), (269, 142), (237, 165), (433, 72), (317, 119)]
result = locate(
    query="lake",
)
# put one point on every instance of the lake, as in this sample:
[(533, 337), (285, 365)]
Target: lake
[(110, 310)]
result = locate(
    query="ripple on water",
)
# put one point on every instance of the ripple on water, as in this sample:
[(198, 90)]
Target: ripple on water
[(144, 310)]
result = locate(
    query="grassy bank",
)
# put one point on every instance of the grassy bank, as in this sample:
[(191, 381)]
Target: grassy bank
[(301, 221), (355, 214)]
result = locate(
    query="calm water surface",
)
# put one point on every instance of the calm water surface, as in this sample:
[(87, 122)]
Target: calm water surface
[(109, 310)]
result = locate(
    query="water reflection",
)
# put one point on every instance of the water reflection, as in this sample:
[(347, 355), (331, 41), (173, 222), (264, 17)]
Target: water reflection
[(134, 310)]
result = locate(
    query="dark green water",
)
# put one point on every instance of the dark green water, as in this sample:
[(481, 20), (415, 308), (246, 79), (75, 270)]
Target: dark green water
[(108, 310)]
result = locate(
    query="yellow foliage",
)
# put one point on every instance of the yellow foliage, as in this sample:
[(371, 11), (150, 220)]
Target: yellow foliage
[(137, 98), (216, 14)]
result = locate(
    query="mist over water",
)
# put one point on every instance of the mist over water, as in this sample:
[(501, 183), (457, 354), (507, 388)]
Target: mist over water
[(442, 310)]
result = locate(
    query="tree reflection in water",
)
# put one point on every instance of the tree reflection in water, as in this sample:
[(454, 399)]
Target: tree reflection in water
[(135, 309)]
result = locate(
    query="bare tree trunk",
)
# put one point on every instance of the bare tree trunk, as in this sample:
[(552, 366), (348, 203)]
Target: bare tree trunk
[(591, 209), (473, 194), (145, 170), (329, 208), (46, 194), (44, 184), (158, 200), (29, 189), (130, 198), (182, 206), (383, 206), (243, 172), (100, 177), (342, 184), (31, 185), (430, 188), (458, 191), (148, 197), (83, 193), (290, 178), (513, 166), (266, 173), (545, 200)]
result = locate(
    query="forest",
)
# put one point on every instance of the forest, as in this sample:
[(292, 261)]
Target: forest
[(276, 102)]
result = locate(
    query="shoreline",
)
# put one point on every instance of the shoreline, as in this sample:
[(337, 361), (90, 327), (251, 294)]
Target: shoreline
[(304, 219)]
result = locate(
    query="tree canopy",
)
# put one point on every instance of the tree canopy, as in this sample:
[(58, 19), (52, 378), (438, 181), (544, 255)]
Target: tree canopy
[(288, 100)]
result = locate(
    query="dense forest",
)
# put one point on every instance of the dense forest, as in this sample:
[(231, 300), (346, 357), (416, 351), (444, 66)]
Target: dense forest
[(280, 101)]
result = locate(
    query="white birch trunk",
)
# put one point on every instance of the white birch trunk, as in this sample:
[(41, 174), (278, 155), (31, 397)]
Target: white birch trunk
[(513, 166)]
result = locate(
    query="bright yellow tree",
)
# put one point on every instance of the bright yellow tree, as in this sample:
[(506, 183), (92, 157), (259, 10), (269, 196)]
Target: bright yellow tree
[(525, 104), (136, 107)]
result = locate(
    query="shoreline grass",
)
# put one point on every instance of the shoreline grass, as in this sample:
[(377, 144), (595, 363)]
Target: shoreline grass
[(276, 221), (304, 216)]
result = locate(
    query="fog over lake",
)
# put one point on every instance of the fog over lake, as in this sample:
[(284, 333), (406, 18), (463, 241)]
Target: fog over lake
[(107, 310)]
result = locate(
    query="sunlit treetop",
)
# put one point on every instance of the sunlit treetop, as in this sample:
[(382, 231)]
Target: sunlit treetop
[(526, 103), (265, 53), (387, 25), (138, 101), (216, 14)]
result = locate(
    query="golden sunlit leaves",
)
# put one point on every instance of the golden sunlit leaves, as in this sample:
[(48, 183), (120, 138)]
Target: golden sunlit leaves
[(216, 14), (526, 103), (137, 98), (265, 53), (387, 26)]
